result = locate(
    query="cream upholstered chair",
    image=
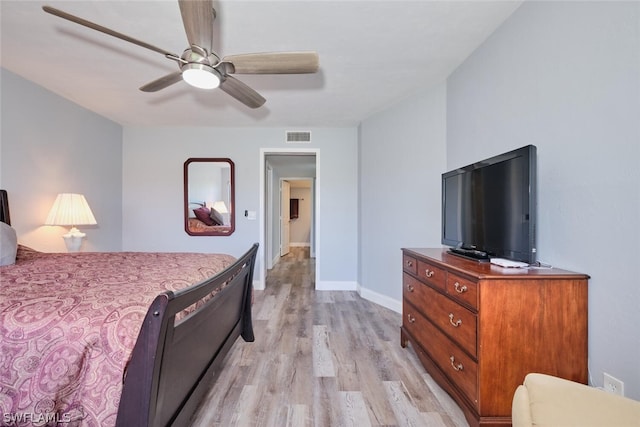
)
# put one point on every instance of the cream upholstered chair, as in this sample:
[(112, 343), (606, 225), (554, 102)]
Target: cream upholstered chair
[(544, 400)]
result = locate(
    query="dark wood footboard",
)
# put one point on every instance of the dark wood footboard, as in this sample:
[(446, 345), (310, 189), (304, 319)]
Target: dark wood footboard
[(174, 361)]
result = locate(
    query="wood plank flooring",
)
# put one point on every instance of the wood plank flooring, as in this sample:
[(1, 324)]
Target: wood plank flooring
[(322, 358)]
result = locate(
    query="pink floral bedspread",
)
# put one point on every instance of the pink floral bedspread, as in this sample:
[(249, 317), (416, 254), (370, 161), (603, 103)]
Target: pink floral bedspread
[(68, 324)]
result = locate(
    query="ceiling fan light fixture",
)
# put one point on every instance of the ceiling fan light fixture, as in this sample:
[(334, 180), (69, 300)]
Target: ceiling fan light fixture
[(201, 76)]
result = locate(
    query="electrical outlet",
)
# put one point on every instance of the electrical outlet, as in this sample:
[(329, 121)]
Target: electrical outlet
[(613, 385)]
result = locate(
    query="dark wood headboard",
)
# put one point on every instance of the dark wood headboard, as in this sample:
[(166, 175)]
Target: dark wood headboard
[(4, 207)]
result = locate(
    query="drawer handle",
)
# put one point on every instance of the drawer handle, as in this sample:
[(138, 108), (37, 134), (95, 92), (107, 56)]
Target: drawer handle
[(460, 289), (456, 323), (410, 288), (429, 273), (409, 263), (411, 318), (455, 367)]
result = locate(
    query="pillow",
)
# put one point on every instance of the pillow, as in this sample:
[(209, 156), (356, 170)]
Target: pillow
[(216, 217), (8, 244), (203, 215)]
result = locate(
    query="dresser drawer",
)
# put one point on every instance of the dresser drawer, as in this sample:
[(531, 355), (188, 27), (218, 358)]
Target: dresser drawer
[(432, 274), (452, 318), (451, 360), (463, 290), (409, 264)]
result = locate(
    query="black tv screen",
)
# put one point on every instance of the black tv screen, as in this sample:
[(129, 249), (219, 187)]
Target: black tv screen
[(489, 207)]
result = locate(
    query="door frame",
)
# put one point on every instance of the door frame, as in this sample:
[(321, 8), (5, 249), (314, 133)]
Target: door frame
[(284, 206), (265, 233)]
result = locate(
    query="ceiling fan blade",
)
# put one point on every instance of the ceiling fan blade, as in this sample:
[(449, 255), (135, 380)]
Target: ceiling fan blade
[(198, 17), (93, 26), (162, 82), (242, 92), (273, 63)]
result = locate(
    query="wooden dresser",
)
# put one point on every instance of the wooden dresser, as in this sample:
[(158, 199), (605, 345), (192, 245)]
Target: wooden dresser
[(478, 329)]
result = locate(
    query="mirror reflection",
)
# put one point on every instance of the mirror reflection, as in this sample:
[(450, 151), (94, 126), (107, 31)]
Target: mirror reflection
[(209, 197)]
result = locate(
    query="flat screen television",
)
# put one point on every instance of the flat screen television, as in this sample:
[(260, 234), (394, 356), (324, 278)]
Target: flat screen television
[(489, 207)]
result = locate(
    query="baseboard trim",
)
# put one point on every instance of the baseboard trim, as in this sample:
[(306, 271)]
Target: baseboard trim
[(258, 285), (380, 299), (326, 285)]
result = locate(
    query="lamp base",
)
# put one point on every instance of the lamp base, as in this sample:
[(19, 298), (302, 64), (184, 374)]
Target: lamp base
[(73, 239)]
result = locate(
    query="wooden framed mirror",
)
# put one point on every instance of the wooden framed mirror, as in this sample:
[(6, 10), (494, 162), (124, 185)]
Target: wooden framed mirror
[(209, 196)]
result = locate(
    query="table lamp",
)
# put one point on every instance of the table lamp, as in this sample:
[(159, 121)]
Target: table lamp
[(70, 210)]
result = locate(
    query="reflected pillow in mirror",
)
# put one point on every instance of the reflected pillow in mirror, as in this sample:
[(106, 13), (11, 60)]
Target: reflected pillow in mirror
[(203, 214), (216, 217), (8, 244)]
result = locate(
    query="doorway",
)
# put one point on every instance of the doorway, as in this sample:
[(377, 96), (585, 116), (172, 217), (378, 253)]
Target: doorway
[(297, 168), (296, 215)]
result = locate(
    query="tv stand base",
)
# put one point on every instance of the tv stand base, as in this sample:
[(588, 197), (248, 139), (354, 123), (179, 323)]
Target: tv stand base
[(473, 254)]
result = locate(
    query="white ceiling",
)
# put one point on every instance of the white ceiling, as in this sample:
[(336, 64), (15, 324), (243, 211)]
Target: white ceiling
[(372, 54)]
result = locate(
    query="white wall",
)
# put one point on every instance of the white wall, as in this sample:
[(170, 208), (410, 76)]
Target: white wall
[(402, 155), (153, 190), (49, 146), (565, 76)]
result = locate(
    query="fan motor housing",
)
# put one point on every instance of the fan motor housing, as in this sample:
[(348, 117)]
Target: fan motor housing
[(192, 55)]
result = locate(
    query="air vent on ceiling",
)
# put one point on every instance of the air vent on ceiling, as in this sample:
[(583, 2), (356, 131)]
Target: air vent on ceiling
[(298, 136)]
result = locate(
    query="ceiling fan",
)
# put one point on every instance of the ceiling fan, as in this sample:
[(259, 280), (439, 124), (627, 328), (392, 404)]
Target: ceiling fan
[(200, 66)]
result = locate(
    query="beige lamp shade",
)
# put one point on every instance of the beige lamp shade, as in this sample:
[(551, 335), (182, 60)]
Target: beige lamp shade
[(70, 209)]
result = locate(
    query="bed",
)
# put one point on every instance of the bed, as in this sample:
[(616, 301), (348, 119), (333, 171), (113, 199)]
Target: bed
[(205, 221), (122, 338), (199, 227)]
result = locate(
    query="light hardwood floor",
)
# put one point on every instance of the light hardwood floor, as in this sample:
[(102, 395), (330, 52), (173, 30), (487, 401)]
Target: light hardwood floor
[(322, 358)]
